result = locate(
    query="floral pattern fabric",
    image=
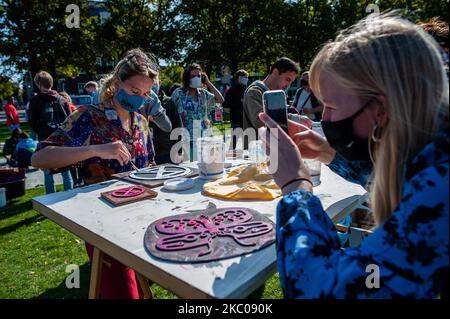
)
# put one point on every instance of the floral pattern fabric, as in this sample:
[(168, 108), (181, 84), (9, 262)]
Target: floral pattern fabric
[(97, 125), (410, 248), (191, 110)]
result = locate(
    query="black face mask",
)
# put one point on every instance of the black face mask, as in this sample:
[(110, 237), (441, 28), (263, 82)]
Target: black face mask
[(304, 83), (341, 137)]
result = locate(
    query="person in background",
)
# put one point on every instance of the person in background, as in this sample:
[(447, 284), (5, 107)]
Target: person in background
[(233, 101), (386, 102), (27, 118), (75, 171), (438, 29), (48, 110), (194, 103), (66, 96), (12, 116), (173, 88), (24, 150), (103, 140), (153, 111), (9, 148), (91, 88), (282, 74), (161, 139), (305, 102), (227, 88)]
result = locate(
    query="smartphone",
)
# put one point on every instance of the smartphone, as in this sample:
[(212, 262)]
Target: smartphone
[(275, 106)]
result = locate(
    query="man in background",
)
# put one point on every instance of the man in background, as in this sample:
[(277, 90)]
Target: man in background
[(233, 101), (48, 110), (161, 138), (305, 102), (282, 74), (12, 116), (91, 88)]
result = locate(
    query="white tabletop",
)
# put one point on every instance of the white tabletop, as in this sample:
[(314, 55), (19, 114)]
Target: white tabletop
[(119, 232)]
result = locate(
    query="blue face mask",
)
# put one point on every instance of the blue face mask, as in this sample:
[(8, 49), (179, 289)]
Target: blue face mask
[(131, 103)]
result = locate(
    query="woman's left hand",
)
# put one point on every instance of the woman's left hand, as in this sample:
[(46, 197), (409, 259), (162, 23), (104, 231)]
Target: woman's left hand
[(286, 157)]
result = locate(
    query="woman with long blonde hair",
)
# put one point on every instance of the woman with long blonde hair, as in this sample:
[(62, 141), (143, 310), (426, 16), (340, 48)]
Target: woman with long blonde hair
[(102, 140), (385, 94)]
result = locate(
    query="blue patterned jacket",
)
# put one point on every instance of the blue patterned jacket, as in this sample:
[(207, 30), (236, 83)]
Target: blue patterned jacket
[(410, 249)]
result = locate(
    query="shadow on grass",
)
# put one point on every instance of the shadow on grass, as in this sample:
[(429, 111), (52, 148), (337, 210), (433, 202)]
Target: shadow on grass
[(62, 292), (25, 222), (14, 209)]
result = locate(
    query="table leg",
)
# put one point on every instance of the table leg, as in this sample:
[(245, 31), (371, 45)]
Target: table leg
[(144, 284), (96, 274)]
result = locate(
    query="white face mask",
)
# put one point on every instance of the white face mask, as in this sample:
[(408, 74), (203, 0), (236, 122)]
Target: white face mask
[(196, 82)]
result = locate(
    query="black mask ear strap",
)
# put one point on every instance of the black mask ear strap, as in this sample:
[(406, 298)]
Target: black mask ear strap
[(362, 109)]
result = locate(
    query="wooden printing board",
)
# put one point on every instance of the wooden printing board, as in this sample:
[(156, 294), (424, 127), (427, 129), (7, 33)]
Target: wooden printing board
[(119, 201), (150, 183)]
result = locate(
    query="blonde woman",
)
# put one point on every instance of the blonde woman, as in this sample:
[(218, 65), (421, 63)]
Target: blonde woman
[(383, 85), (103, 140)]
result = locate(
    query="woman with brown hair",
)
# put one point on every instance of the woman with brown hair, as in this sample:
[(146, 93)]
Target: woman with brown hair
[(194, 102)]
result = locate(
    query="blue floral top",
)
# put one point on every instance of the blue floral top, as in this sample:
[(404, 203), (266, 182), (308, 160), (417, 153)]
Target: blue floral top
[(358, 172), (410, 248), (191, 110)]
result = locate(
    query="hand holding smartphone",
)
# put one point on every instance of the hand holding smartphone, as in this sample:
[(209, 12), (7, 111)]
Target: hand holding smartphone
[(275, 106)]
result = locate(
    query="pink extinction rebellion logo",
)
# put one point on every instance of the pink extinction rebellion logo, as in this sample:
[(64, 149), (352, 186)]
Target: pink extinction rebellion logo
[(128, 192)]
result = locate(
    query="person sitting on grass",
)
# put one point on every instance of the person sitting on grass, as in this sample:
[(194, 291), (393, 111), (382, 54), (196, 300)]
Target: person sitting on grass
[(103, 140), (24, 150), (9, 148)]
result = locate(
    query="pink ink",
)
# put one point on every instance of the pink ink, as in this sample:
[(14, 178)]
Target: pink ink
[(128, 192), (184, 234)]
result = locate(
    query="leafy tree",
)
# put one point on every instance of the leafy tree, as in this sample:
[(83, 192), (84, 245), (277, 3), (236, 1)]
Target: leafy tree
[(171, 74), (34, 36), (218, 34), (139, 23), (8, 88)]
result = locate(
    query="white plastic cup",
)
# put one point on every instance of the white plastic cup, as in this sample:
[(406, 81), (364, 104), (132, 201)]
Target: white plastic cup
[(211, 157), (2, 197)]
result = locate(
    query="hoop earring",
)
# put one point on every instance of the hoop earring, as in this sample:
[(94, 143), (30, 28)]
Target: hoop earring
[(371, 151), (376, 137)]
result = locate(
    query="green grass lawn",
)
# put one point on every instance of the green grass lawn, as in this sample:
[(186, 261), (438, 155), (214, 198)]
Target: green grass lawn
[(34, 254)]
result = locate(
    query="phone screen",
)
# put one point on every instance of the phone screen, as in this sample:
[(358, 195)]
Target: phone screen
[(275, 107)]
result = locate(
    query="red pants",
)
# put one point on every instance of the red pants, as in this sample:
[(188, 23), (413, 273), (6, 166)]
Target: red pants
[(118, 281)]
